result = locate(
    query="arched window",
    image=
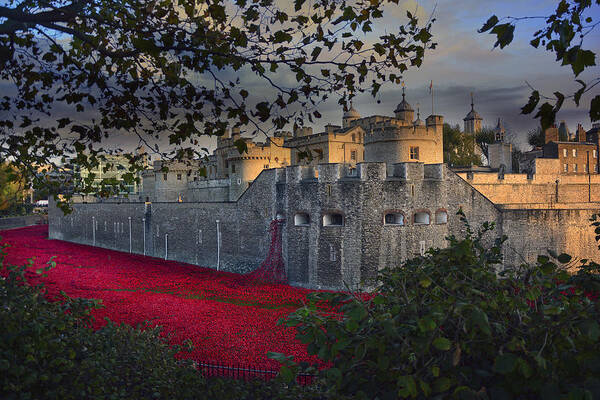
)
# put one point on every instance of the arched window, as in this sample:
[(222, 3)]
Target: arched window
[(441, 217), (421, 218), (301, 219), (333, 219), (393, 218)]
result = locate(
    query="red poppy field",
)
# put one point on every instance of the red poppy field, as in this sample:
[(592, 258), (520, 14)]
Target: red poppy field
[(229, 319)]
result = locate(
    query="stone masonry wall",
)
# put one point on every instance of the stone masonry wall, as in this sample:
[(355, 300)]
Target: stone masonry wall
[(317, 255)]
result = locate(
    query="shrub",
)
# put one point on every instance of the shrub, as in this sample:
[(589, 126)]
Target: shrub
[(449, 325)]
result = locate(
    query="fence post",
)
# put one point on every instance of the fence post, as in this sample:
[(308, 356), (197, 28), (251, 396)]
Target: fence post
[(129, 233), (166, 245)]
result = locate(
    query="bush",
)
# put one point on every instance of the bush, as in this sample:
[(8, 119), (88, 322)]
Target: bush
[(448, 325), (48, 351)]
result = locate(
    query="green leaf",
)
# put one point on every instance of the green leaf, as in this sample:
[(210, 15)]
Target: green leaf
[(504, 34), (442, 384), (426, 324), (407, 386), (441, 343), (583, 59), (505, 363), (315, 53), (480, 318), (425, 282), (534, 99), (595, 109), (286, 373), (547, 115), (564, 258), (489, 24)]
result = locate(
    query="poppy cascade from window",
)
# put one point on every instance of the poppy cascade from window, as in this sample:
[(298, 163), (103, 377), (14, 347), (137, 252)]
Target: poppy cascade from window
[(272, 270)]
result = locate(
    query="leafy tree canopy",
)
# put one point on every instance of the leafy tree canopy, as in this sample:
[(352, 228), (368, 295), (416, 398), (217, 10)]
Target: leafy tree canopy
[(459, 147), (82, 71), (535, 137), (11, 187), (483, 138), (563, 34)]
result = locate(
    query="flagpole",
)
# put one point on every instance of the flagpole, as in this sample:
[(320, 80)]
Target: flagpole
[(432, 109), (431, 91)]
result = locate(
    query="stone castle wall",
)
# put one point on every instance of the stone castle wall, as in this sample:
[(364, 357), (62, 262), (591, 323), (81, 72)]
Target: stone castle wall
[(537, 188), (318, 254), (533, 232)]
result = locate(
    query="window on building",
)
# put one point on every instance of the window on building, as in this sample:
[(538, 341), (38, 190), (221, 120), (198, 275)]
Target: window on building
[(574, 167), (422, 247), (422, 218), (393, 219), (233, 168), (566, 167), (353, 137), (333, 219), (352, 172), (301, 219), (353, 155), (594, 154), (414, 152), (565, 153), (585, 168), (441, 217), (595, 168), (178, 177), (165, 177), (574, 152)]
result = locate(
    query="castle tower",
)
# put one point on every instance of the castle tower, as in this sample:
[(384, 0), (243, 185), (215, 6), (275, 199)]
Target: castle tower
[(404, 111), (499, 131), (500, 153), (350, 116), (472, 120), (418, 121)]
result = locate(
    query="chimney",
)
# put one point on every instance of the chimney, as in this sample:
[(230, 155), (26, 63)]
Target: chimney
[(581, 133)]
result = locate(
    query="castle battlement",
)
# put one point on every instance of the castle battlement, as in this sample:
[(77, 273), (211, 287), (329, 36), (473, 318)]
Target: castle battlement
[(400, 132), (362, 172)]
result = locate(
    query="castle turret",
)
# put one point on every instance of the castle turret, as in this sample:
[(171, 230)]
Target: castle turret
[(350, 116), (500, 153), (499, 131), (404, 111), (418, 121), (473, 120)]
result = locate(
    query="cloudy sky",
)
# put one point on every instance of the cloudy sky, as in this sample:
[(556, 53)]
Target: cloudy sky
[(464, 62)]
